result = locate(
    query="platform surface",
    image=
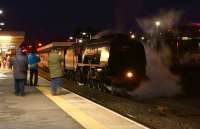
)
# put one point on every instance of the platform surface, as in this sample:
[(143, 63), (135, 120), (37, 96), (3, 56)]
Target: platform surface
[(38, 109)]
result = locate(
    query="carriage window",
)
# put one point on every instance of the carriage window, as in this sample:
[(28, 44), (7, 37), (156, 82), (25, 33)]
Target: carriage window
[(92, 55), (93, 59), (104, 55)]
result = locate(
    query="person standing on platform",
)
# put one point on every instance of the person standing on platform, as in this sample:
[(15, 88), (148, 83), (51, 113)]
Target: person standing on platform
[(20, 67), (0, 61), (56, 72), (33, 61), (4, 62), (8, 62)]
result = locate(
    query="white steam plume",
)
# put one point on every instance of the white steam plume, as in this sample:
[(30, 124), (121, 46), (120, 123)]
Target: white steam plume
[(167, 18), (161, 83)]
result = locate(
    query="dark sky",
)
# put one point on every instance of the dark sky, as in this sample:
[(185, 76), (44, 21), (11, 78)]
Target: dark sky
[(52, 19)]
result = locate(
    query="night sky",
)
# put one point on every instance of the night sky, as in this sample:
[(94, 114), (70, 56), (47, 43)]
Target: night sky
[(56, 19)]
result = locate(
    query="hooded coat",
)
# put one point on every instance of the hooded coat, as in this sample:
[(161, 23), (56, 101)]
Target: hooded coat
[(20, 65), (54, 62)]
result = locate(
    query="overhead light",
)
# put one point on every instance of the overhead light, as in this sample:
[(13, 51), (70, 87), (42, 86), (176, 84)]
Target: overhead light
[(84, 33), (5, 38), (39, 44), (4, 49), (157, 23), (142, 38), (2, 23), (1, 11), (80, 40), (186, 38), (99, 70), (132, 36), (71, 38)]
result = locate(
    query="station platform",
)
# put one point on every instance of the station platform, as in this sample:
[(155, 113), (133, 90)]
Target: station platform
[(38, 109)]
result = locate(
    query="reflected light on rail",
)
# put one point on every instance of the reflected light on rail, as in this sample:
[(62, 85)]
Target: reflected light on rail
[(132, 36), (5, 38)]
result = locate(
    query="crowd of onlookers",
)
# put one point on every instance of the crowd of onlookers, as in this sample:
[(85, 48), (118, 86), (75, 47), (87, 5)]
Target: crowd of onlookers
[(21, 63)]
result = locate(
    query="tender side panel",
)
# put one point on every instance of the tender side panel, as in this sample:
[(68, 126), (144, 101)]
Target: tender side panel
[(70, 59)]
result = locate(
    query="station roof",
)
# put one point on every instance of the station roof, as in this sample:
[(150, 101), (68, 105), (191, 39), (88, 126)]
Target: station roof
[(54, 45), (11, 38)]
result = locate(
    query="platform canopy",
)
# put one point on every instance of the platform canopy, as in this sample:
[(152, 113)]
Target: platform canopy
[(10, 40), (49, 46)]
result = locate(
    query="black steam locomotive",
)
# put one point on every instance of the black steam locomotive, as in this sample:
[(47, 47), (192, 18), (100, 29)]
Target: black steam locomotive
[(112, 62)]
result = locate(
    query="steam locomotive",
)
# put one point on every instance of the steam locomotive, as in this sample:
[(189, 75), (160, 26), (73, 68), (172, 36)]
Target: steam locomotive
[(111, 62)]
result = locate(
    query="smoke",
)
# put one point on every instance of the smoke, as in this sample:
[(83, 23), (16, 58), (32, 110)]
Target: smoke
[(168, 20), (162, 82)]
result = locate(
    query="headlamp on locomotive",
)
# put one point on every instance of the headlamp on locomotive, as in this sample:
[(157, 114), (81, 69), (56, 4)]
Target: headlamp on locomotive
[(129, 74)]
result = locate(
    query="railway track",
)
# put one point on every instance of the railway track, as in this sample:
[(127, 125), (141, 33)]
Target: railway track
[(160, 113)]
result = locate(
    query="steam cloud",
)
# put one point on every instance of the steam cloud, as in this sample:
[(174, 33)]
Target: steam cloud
[(168, 20), (162, 82)]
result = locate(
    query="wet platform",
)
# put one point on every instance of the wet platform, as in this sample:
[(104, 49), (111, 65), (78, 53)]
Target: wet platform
[(38, 109)]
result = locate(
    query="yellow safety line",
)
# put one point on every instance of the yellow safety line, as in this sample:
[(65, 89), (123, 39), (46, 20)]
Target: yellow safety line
[(85, 120)]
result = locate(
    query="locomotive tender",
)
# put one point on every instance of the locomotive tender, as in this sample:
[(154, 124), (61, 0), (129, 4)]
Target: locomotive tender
[(113, 60)]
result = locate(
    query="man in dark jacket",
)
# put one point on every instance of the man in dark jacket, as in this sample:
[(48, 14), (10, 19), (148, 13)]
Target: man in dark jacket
[(20, 67)]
